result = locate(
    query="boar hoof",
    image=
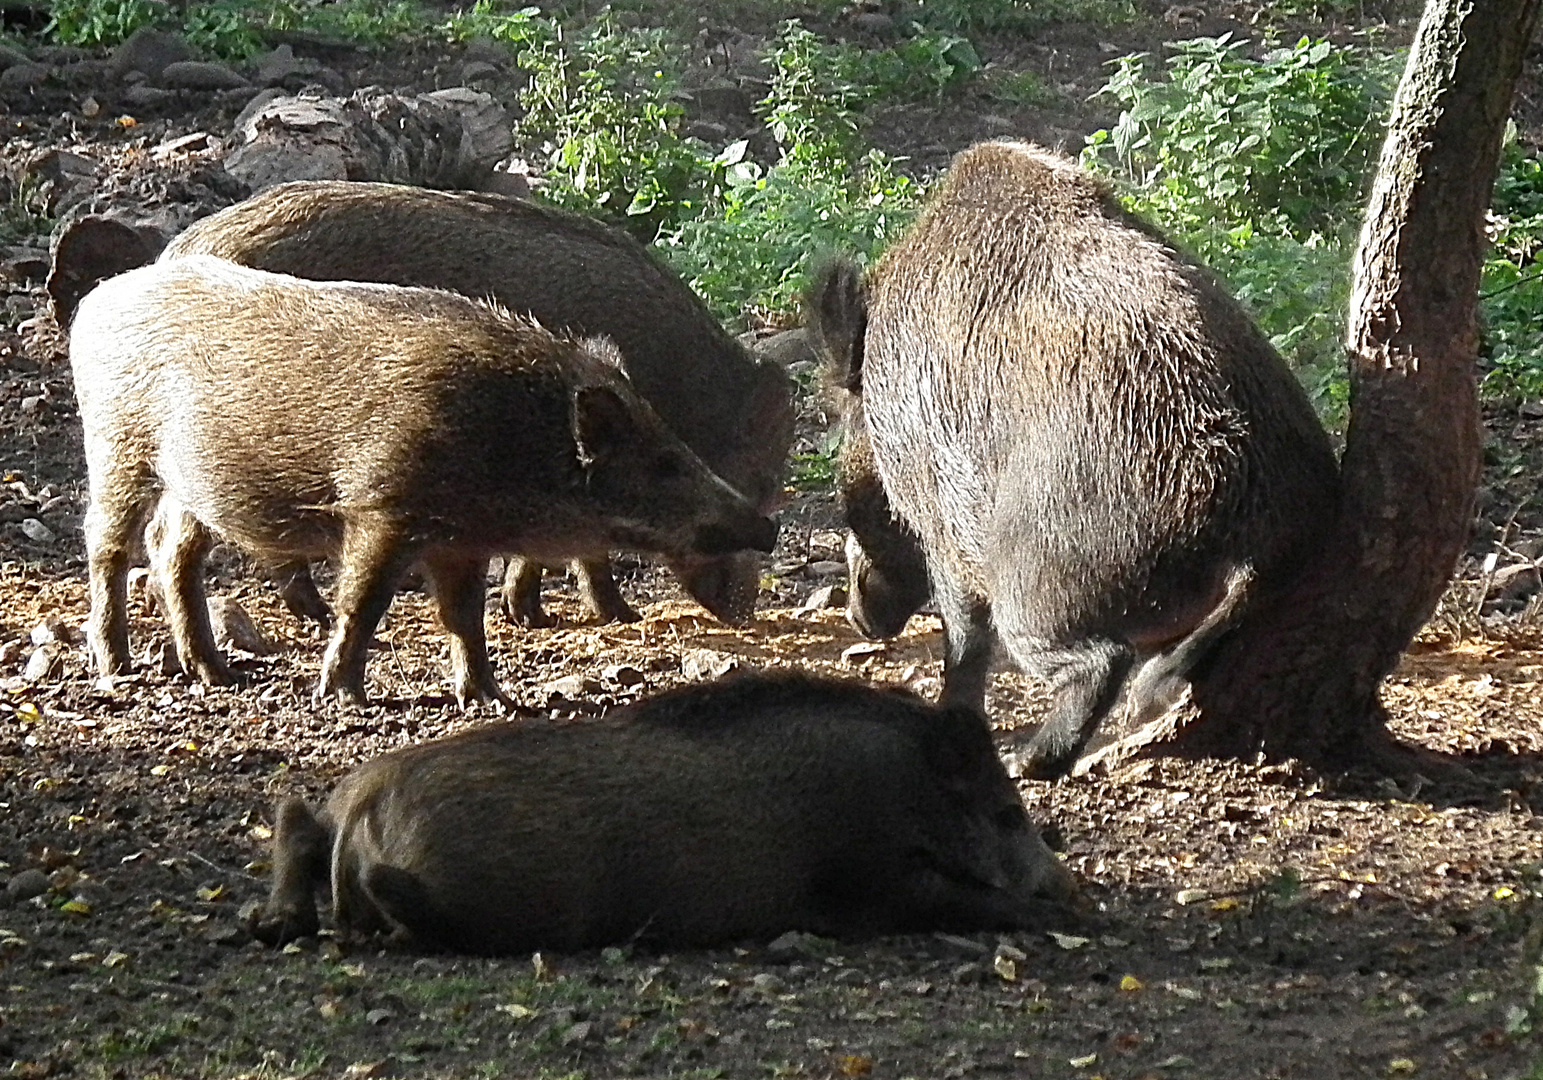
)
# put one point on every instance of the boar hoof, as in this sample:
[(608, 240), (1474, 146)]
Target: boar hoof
[(211, 672), (529, 616), (1024, 763), (620, 612), (280, 926)]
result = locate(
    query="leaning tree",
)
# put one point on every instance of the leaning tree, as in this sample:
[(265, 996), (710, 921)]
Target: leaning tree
[(1302, 679)]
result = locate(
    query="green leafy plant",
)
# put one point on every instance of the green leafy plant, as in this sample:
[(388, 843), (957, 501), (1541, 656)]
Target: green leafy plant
[(224, 28), (1512, 289), (601, 104), (91, 23), (1258, 167), (824, 193), (1021, 14)]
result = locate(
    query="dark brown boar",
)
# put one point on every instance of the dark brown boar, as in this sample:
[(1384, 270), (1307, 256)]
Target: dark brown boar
[(380, 425), (569, 272), (715, 812), (1101, 457)]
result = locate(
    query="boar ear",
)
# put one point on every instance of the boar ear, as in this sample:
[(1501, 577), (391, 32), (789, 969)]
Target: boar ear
[(90, 250), (602, 425), (836, 313)]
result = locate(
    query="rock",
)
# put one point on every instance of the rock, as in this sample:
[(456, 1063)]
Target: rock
[(487, 51), (273, 68), (826, 596), (234, 628), (570, 688), (962, 945), (254, 106), (874, 22), (514, 185), (52, 631), (826, 568), (477, 69), (23, 76), (162, 659), (578, 1033), (43, 663), (768, 983), (706, 664), (623, 675), (37, 532), (26, 265), (200, 75), (449, 138), (147, 51), (10, 56), (379, 1016), (186, 144), (25, 885), (969, 974), (146, 97), (794, 943)]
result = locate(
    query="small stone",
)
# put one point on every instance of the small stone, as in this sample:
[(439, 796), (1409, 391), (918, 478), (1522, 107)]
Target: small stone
[(273, 68), (90, 107), (967, 946), (24, 76), (787, 348), (707, 664), (50, 631), (200, 75), (792, 943), (968, 974), (570, 688), (43, 662), (26, 885), (826, 568), (162, 659), (231, 934), (826, 596), (32, 403), (234, 628), (473, 70), (142, 97), (768, 983), (379, 1016), (186, 144), (578, 1033), (623, 675), (36, 531), (149, 51), (862, 651)]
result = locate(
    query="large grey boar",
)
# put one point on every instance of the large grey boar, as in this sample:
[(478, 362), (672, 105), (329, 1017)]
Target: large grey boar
[(569, 272), (1100, 456), (380, 425), (715, 812)]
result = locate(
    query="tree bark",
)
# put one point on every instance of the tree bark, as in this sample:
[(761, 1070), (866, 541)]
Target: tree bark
[(1301, 678)]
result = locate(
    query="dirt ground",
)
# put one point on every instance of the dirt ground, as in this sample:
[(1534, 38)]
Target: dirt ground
[(1243, 921)]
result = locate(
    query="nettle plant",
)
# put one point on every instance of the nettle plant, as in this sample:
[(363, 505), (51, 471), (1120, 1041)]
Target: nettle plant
[(1259, 167)]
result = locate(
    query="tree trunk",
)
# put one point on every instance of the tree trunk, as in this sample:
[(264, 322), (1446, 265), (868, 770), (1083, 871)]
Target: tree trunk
[(1301, 679)]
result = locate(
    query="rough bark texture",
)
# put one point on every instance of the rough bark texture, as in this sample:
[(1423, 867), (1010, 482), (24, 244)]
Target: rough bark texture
[(1302, 678)]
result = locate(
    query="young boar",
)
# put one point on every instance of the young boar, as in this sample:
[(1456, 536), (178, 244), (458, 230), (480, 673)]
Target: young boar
[(711, 813), (570, 273), (1101, 457), (380, 425)]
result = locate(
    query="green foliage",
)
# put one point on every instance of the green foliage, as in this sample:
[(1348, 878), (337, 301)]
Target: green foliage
[(1285, 143), (223, 28), (1021, 14), (824, 192), (90, 23), (601, 104), (1512, 289), (1258, 168)]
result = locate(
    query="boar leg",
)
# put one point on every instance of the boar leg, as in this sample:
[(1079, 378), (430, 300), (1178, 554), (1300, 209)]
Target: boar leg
[(373, 561), (968, 640), (118, 506), (600, 592), (458, 586), (301, 855), (522, 593), (178, 557), (298, 591), (1086, 679)]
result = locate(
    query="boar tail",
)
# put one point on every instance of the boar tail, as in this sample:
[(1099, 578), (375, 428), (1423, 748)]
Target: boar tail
[(836, 309), (1160, 681)]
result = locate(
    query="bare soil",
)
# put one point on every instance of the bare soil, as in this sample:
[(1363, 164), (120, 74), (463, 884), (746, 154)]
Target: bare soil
[(1243, 920)]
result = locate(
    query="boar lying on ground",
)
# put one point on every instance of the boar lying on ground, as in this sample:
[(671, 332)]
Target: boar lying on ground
[(1100, 457), (715, 812), (379, 425), (570, 273)]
